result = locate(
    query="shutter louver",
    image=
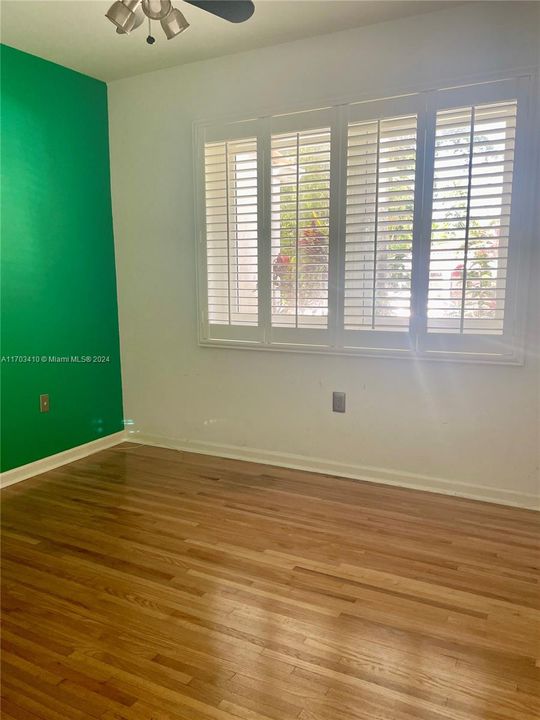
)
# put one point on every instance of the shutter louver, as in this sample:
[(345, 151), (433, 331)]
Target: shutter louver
[(232, 232), (472, 185), (381, 168), (300, 208)]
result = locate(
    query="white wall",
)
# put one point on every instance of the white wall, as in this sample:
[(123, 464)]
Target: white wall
[(470, 429)]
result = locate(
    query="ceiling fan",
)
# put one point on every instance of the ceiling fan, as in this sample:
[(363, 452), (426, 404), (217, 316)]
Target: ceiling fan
[(128, 15)]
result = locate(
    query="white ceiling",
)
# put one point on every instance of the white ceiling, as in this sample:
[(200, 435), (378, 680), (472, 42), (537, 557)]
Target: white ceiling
[(76, 34)]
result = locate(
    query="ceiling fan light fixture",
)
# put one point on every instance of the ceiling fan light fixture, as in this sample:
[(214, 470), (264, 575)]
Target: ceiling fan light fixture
[(156, 9), (121, 13), (174, 23), (133, 23)]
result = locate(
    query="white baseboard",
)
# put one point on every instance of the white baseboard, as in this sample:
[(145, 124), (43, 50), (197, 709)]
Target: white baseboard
[(355, 472), (288, 460), (62, 458)]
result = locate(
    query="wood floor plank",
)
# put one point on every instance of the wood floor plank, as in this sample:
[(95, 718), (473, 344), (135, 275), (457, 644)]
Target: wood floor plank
[(148, 584)]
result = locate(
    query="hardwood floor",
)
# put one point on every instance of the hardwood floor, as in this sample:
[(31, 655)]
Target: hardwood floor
[(144, 583)]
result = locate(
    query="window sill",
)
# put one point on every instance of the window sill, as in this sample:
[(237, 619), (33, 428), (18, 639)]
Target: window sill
[(516, 359)]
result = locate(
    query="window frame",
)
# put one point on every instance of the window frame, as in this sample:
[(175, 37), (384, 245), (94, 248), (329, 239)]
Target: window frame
[(509, 346), (300, 122), (219, 333), (415, 343), (366, 340)]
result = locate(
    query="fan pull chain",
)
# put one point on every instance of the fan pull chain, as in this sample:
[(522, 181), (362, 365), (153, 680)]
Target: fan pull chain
[(150, 39)]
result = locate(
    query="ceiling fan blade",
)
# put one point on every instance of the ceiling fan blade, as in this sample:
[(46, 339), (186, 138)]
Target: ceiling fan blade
[(235, 11)]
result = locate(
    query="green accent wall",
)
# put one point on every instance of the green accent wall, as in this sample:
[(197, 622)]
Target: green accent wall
[(58, 284)]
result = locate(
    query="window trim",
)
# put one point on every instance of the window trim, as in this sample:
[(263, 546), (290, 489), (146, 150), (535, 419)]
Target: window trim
[(505, 349)]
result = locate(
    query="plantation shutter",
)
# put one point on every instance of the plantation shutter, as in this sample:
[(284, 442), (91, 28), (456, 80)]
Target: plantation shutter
[(378, 227), (300, 222), (381, 168), (472, 187), (230, 173)]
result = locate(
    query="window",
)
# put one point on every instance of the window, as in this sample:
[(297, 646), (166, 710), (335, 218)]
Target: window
[(385, 227), (230, 172), (381, 161), (300, 209), (470, 221)]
